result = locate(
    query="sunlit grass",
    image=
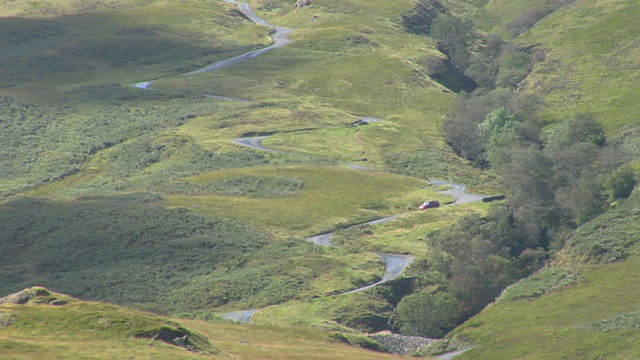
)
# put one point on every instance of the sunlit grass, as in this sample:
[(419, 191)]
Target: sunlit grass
[(331, 196)]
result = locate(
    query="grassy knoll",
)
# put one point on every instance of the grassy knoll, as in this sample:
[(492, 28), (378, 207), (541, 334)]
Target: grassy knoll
[(274, 342), (114, 140), (82, 329), (363, 311), (279, 273), (46, 54), (406, 234)]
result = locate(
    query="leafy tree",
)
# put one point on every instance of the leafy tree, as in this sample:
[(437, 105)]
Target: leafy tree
[(620, 183), (530, 195), (583, 127), (454, 34), (498, 121), (513, 69), (461, 127), (427, 314), (483, 67), (569, 163), (582, 199), (499, 132), (476, 256), (462, 135)]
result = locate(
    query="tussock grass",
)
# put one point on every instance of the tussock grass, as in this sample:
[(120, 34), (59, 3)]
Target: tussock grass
[(278, 273), (339, 313), (408, 233), (276, 342), (121, 249)]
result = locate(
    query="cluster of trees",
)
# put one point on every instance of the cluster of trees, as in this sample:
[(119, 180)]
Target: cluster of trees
[(554, 179), (475, 260), (489, 61), (563, 177), (554, 182)]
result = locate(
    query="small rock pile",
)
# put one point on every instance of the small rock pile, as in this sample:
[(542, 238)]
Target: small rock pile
[(401, 344)]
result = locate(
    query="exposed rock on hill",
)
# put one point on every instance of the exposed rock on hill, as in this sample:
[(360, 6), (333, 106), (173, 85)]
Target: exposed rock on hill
[(37, 295), (302, 3)]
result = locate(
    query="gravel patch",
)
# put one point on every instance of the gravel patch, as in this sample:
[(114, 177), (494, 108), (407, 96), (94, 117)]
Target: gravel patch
[(401, 344)]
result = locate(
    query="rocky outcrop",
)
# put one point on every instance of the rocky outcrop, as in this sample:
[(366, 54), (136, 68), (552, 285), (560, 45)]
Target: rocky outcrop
[(302, 3), (176, 336), (35, 295), (24, 296)]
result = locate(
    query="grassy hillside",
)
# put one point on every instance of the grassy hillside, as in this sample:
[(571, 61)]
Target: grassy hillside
[(78, 329), (592, 62), (141, 198), (583, 305), (350, 56), (33, 327), (93, 153)]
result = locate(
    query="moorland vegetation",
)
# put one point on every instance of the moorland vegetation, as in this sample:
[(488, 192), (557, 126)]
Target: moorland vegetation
[(140, 198)]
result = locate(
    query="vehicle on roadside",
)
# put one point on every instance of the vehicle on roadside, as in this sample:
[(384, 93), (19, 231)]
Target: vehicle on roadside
[(429, 204)]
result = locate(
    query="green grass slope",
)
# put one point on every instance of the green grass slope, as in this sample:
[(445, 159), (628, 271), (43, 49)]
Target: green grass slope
[(53, 47), (35, 328), (583, 305), (140, 198), (592, 62), (144, 192)]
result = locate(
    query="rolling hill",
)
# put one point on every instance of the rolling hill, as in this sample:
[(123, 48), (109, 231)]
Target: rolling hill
[(131, 177)]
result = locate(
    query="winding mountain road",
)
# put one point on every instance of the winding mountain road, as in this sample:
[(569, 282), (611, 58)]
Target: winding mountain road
[(242, 316), (254, 143), (395, 264), (458, 192)]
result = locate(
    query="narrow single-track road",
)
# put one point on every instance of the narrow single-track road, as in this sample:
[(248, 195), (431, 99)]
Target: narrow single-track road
[(395, 264)]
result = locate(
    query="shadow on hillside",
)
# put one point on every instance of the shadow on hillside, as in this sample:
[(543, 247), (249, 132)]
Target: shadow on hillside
[(126, 249)]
